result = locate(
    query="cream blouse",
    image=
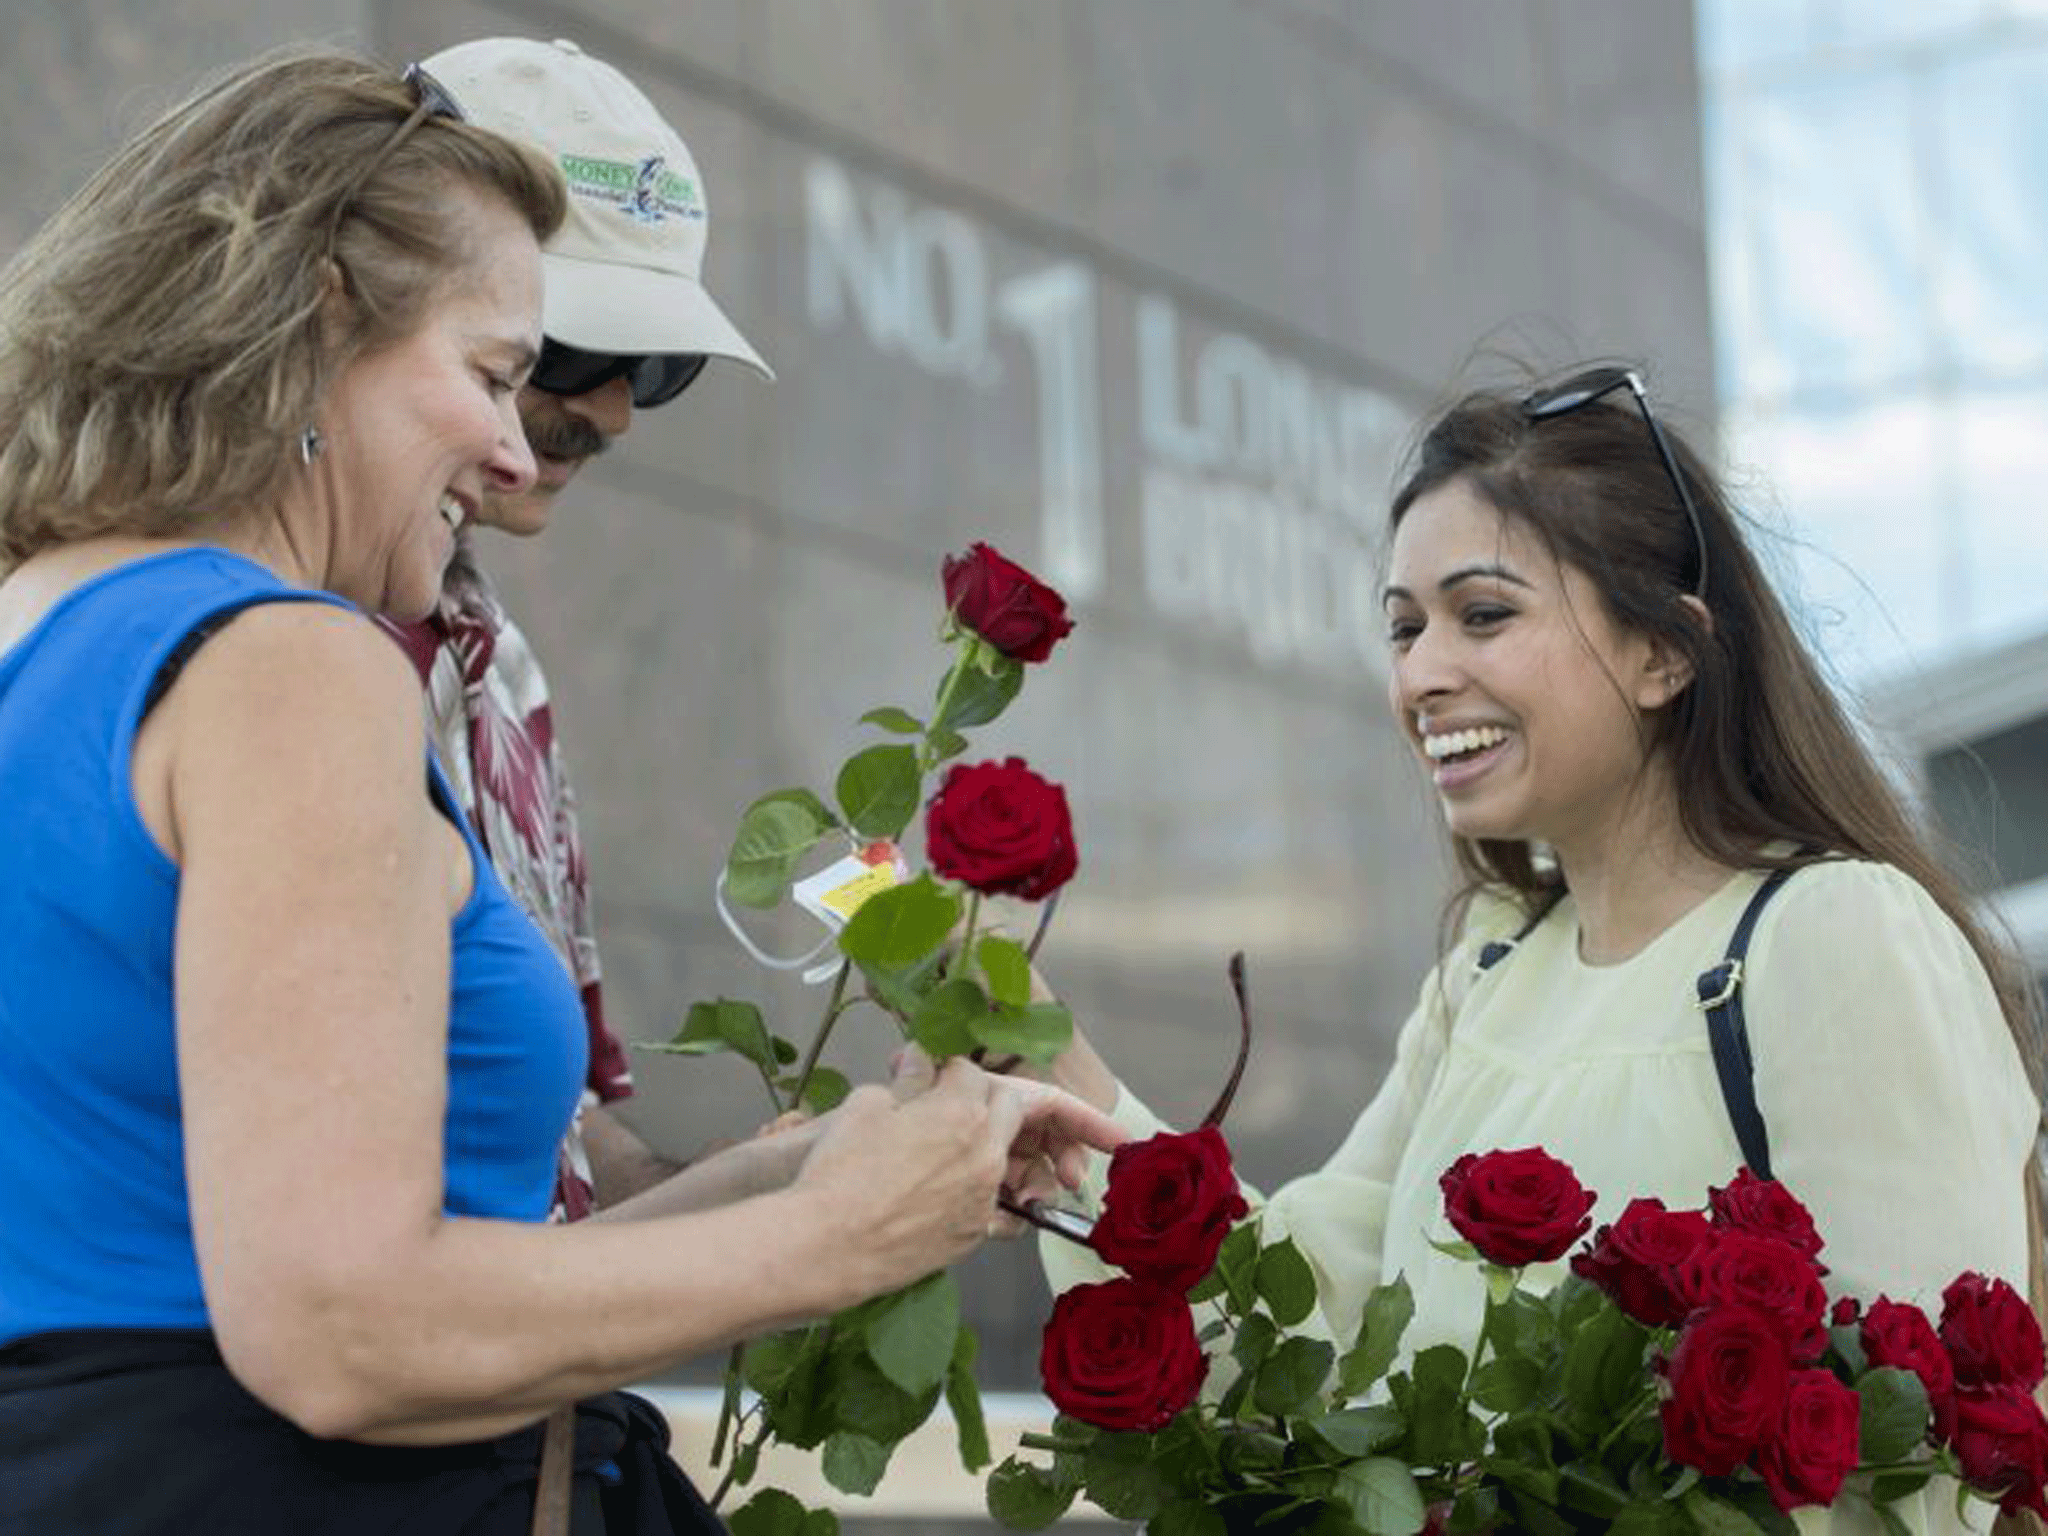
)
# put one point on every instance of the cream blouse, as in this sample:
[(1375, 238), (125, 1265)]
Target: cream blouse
[(1897, 1106)]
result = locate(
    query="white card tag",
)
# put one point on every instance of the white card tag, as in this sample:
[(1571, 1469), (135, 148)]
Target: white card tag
[(836, 892)]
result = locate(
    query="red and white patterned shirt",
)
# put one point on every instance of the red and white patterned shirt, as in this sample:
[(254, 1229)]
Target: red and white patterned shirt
[(495, 733)]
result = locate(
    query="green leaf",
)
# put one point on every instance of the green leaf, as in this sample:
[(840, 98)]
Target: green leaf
[(912, 1337), (963, 1396), (727, 1024), (1899, 1485), (1438, 1419), (1649, 1517), (1474, 1511), (947, 1019), (1038, 1031), (980, 695), (771, 1512), (1292, 1375), (945, 744), (862, 1399), (854, 1463), (774, 832), (878, 790), (1007, 969), (1592, 1489), (1025, 1497), (826, 1090), (1187, 1517), (1381, 1323), (1892, 1521), (1123, 1478), (896, 928), (1356, 1432), (1237, 1261), (1717, 1517), (1381, 1496), (1894, 1414), (1456, 1248), (1256, 1336), (890, 718), (1505, 1385), (1285, 1282)]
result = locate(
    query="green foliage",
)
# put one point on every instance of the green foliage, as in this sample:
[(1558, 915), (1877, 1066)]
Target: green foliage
[(774, 832), (1547, 1425)]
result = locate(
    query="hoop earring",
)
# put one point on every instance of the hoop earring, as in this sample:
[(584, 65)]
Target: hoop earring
[(311, 445)]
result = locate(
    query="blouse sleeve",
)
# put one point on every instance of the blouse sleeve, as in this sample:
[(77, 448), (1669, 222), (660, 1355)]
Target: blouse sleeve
[(1337, 1214), (1896, 1102)]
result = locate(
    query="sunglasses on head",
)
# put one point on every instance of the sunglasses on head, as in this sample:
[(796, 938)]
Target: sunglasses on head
[(655, 377), (1583, 389), (430, 100)]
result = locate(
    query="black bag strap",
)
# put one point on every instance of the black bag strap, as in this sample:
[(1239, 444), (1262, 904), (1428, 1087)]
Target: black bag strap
[(1719, 995)]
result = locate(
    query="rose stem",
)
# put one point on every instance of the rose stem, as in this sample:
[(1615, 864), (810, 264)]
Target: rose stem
[(1244, 1043), (835, 1005)]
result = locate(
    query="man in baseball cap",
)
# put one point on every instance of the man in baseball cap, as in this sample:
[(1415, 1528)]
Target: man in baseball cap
[(628, 325)]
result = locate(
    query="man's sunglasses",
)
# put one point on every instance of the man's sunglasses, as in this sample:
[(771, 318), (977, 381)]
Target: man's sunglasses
[(655, 377), (1595, 383)]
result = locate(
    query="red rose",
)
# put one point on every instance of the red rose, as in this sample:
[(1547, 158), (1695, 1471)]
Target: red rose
[(1846, 1311), (2001, 1440), (1991, 1334), (1001, 829), (1727, 1381), (1767, 1274), (1516, 1208), (1005, 604), (1767, 1208), (1170, 1204), (1897, 1333), (1636, 1259), (1122, 1355), (1817, 1444)]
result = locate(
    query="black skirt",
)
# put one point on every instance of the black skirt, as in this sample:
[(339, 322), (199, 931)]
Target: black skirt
[(144, 1432)]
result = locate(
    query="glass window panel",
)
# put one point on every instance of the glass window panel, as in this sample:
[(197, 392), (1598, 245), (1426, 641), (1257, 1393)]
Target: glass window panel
[(2001, 445), (1990, 143)]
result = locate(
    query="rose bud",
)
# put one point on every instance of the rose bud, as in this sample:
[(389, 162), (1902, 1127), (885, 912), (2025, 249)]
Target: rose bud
[(1005, 604), (1001, 829), (1516, 1208), (1171, 1201), (2001, 1442), (1727, 1381), (1897, 1333), (1767, 1208), (1817, 1444), (1767, 1274), (1635, 1260), (1122, 1355), (1991, 1333)]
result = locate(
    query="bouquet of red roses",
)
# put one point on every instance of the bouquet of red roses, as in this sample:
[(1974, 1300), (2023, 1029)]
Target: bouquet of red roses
[(1691, 1373), (916, 948)]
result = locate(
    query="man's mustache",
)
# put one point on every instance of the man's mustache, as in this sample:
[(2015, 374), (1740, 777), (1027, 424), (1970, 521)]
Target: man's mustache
[(566, 437)]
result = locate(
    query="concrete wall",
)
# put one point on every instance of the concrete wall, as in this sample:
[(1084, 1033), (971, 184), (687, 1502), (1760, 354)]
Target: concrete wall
[(1081, 279)]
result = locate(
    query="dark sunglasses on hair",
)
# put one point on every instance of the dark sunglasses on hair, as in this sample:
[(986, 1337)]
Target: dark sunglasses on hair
[(1583, 389), (430, 99), (655, 377)]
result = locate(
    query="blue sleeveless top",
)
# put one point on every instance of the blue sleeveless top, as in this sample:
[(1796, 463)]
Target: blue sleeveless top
[(95, 1230)]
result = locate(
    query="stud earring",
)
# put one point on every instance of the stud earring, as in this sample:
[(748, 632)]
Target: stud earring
[(311, 445)]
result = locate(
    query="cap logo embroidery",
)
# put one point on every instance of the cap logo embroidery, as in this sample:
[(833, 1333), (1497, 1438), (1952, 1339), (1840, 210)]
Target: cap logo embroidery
[(648, 192)]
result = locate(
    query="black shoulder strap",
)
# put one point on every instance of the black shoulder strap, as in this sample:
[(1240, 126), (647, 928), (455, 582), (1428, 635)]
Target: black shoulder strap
[(1719, 990), (1493, 951)]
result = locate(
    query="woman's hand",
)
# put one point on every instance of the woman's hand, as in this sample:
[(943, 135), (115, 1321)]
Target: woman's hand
[(912, 1171)]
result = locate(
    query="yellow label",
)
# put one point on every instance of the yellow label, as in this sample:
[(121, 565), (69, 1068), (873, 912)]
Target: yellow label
[(845, 899)]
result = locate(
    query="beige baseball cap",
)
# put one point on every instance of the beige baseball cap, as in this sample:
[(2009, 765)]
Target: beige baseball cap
[(625, 271)]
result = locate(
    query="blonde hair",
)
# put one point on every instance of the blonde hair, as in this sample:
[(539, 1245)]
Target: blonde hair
[(166, 339)]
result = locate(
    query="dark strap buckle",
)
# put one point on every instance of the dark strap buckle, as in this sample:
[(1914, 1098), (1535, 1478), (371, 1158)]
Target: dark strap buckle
[(1718, 985)]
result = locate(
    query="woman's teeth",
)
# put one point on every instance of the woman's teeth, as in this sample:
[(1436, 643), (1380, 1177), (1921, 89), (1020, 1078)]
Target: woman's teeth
[(1458, 743)]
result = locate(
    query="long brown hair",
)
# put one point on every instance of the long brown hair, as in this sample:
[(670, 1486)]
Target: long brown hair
[(168, 336), (1760, 748)]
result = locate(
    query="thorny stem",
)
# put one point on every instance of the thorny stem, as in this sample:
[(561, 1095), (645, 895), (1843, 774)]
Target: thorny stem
[(835, 1005), (731, 1472), (728, 1409)]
